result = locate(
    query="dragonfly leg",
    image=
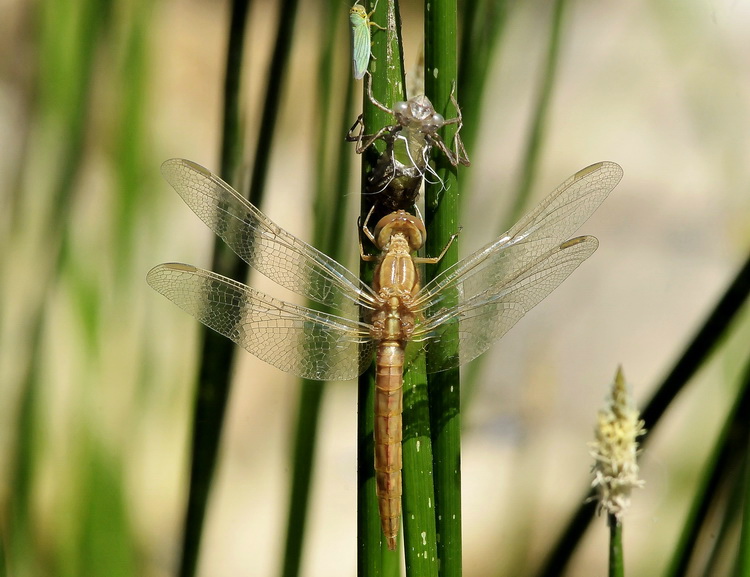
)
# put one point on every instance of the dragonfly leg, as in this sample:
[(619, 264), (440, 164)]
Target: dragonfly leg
[(452, 157), (438, 258), (350, 136), (459, 156), (372, 98), (366, 231)]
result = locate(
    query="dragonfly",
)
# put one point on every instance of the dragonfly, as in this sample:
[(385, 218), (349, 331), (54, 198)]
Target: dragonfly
[(392, 319), (400, 169)]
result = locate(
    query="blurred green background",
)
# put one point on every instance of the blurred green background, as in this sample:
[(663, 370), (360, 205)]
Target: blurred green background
[(97, 370)]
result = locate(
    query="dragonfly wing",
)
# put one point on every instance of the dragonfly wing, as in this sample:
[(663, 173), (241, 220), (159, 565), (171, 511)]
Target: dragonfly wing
[(265, 246), (549, 224), (295, 339), (488, 315)]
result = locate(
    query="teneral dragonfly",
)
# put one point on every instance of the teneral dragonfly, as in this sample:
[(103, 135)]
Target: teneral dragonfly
[(496, 286)]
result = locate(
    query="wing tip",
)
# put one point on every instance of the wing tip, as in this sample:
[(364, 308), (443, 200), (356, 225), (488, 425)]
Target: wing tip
[(168, 165), (154, 273), (610, 166)]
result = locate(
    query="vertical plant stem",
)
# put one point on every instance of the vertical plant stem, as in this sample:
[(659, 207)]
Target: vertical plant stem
[(441, 212), (217, 355), (420, 533), (231, 137), (373, 558), (330, 210), (269, 115), (483, 25), (616, 563), (369, 559), (303, 468), (539, 120)]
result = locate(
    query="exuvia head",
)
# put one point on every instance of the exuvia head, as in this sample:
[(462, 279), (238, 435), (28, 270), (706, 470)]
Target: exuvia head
[(418, 112)]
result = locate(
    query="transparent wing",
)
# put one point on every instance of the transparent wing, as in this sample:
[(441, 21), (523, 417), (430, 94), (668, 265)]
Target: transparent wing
[(548, 225), (295, 339), (265, 246), (487, 316)]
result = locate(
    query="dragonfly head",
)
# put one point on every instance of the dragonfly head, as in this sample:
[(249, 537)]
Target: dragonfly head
[(400, 222)]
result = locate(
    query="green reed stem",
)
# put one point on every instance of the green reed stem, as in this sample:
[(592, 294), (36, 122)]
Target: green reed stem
[(373, 557), (532, 153), (218, 352), (420, 532), (330, 211), (483, 25), (441, 215), (616, 562)]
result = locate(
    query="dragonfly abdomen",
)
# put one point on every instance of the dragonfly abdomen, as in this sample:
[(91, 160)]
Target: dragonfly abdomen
[(388, 409)]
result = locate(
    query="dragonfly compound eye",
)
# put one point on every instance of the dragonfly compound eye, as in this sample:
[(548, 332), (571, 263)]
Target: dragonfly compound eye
[(401, 112), (435, 123)]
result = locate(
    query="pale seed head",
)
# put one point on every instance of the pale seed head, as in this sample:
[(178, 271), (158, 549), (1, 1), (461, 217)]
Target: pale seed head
[(615, 448)]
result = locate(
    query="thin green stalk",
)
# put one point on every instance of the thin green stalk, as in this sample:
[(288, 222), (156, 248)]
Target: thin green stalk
[(539, 120), (217, 354), (694, 356), (616, 561), (530, 161), (231, 136), (730, 447), (369, 534), (441, 215), (276, 75), (483, 25), (700, 348), (303, 468), (373, 558), (330, 210), (420, 532), (133, 153), (418, 497)]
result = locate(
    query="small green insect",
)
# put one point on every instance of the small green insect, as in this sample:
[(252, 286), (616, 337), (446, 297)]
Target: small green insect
[(361, 43)]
